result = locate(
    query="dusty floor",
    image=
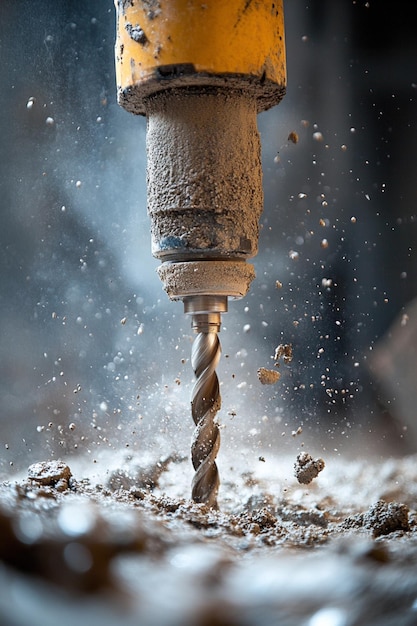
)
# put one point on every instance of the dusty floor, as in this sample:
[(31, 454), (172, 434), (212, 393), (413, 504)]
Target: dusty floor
[(123, 547)]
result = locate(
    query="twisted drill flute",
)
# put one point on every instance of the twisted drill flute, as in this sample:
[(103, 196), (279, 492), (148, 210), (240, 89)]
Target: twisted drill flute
[(205, 398), (205, 403)]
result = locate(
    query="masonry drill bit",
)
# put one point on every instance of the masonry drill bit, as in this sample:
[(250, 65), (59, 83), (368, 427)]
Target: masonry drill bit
[(205, 403), (205, 398)]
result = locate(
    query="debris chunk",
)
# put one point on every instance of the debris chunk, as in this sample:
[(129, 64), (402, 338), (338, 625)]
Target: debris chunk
[(382, 518), (386, 517), (50, 473), (284, 351), (268, 377), (306, 468)]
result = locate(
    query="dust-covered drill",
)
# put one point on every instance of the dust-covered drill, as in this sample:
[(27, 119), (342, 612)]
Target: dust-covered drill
[(200, 72)]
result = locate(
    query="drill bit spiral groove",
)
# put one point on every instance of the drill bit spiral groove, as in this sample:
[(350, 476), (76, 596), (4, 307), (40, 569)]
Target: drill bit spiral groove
[(205, 403)]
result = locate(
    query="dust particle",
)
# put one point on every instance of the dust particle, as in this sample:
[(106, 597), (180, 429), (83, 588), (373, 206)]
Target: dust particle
[(317, 136), (284, 351), (293, 136), (306, 468), (136, 33)]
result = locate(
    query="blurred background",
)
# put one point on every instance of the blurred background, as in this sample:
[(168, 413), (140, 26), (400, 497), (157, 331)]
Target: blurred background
[(94, 357)]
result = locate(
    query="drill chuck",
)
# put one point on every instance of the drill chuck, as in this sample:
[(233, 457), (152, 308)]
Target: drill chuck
[(204, 189)]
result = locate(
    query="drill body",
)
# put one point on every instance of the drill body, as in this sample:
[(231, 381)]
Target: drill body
[(201, 72)]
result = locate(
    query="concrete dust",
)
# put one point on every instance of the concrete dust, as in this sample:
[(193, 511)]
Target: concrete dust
[(276, 551)]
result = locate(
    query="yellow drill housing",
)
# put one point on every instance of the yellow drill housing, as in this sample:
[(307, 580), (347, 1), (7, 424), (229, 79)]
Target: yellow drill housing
[(165, 44)]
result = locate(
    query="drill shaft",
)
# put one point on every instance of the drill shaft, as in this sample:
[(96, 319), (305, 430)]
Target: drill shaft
[(205, 403), (205, 399)]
